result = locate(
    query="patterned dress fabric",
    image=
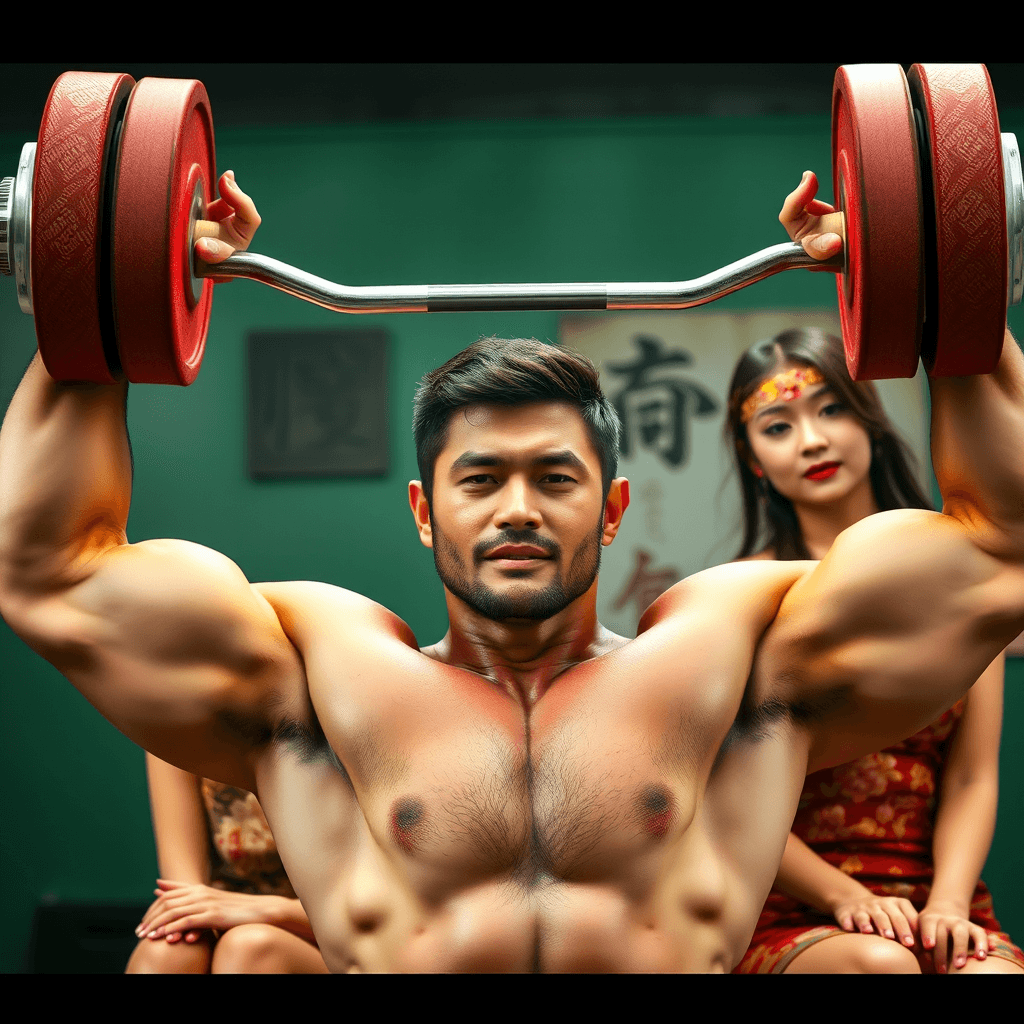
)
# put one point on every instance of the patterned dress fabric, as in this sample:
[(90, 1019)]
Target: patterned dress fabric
[(243, 853), (871, 818)]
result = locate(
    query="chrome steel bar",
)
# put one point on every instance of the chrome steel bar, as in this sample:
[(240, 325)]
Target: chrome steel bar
[(435, 298)]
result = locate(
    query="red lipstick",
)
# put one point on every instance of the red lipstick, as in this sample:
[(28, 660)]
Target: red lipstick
[(822, 471)]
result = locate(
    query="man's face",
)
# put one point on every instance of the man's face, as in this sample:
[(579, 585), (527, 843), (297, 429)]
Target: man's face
[(517, 519)]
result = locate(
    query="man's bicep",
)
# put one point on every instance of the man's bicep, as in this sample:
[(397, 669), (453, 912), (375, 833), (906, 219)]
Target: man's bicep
[(892, 626), (172, 645)]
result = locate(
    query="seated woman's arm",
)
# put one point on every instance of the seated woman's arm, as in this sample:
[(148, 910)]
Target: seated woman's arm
[(965, 821), (186, 904)]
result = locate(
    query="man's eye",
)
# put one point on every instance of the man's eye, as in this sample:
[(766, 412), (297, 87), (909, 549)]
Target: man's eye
[(558, 478), (480, 478)]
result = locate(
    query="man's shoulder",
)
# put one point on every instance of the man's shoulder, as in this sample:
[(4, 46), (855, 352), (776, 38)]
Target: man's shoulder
[(308, 608), (732, 588)]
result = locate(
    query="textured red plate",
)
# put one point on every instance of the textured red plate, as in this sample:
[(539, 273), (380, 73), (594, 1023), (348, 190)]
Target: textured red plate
[(167, 148), (877, 185), (967, 263), (70, 287)]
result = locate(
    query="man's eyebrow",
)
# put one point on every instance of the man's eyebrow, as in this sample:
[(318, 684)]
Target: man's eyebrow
[(477, 460)]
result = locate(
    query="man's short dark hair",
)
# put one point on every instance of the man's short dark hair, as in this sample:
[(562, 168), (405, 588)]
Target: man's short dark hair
[(512, 372)]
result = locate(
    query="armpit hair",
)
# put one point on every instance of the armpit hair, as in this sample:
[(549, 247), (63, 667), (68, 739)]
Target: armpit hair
[(309, 744), (757, 721)]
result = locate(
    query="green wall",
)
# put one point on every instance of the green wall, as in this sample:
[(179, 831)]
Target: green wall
[(655, 199)]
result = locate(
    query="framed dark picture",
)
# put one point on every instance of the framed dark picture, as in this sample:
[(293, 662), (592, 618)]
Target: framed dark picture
[(318, 403)]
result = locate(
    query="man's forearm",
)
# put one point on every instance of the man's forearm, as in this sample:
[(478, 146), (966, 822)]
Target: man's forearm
[(65, 479), (977, 438)]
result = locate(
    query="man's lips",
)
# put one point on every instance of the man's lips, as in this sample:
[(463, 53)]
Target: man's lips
[(822, 471), (517, 552)]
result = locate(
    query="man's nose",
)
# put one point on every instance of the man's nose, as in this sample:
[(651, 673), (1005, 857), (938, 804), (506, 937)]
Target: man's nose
[(516, 508)]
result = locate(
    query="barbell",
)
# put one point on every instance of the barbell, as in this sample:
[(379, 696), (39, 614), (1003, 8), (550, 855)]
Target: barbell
[(97, 228)]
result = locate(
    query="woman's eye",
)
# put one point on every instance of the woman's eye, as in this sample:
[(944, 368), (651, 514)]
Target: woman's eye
[(776, 428), (833, 409)]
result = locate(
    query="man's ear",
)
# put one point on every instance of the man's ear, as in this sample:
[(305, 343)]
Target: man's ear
[(614, 508), (421, 513)]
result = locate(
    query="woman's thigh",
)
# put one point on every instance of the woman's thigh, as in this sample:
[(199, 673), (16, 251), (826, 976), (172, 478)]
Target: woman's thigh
[(265, 949), (854, 953)]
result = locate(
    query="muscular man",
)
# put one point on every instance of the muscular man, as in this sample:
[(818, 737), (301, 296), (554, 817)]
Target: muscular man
[(532, 792)]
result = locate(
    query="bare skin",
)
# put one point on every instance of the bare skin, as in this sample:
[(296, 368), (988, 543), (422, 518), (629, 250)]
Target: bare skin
[(523, 795), (202, 929), (817, 453)]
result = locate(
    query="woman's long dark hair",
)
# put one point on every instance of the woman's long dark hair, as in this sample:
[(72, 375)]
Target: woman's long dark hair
[(766, 513)]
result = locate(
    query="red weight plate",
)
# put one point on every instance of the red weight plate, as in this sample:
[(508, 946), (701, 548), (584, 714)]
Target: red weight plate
[(966, 312), (166, 148), (877, 185), (70, 206)]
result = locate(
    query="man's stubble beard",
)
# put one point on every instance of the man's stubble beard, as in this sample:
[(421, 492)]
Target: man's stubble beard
[(517, 603)]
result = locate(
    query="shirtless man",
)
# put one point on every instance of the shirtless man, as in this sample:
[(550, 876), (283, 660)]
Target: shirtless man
[(532, 792)]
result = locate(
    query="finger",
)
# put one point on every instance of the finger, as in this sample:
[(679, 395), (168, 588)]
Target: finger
[(910, 911), (183, 923), (822, 246), (863, 921), (882, 923), (845, 920), (165, 884), (961, 934), (903, 928), (818, 208), (193, 936), (980, 937), (210, 250), (172, 937), (246, 220), (804, 193), (941, 952)]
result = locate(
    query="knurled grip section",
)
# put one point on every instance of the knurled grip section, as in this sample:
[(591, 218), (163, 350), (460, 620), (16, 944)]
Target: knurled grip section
[(967, 303), (69, 206)]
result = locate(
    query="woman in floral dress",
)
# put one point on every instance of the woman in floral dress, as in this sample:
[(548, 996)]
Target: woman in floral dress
[(881, 870), (223, 904)]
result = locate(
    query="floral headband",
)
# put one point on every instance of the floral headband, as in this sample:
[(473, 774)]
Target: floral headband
[(782, 387)]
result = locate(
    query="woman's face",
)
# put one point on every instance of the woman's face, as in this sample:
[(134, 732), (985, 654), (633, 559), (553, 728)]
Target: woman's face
[(811, 447)]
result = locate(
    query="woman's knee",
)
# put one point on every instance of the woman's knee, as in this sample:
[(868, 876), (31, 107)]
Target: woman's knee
[(877, 955), (156, 956), (247, 949)]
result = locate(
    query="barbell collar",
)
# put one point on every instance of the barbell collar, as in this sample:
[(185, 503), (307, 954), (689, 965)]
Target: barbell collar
[(16, 226), (519, 297), (1014, 188)]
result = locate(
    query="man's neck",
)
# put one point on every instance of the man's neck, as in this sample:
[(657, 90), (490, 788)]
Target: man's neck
[(523, 656)]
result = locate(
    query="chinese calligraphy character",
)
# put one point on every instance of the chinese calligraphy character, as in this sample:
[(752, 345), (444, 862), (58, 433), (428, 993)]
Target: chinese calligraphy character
[(645, 585), (655, 409)]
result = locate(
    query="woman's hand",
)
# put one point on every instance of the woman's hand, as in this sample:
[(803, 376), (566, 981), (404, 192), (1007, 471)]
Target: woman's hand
[(230, 224), (948, 933), (889, 916), (185, 909), (801, 215)]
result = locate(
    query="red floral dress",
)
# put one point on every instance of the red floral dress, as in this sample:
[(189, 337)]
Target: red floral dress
[(872, 819), (243, 854)]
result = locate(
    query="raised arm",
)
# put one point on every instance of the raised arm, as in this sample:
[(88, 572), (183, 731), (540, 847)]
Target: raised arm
[(165, 638), (909, 607)]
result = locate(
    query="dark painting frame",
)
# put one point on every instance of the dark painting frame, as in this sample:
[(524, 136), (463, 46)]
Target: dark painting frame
[(317, 403)]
